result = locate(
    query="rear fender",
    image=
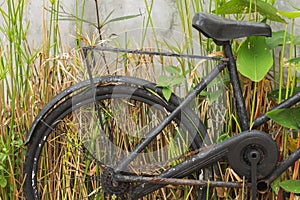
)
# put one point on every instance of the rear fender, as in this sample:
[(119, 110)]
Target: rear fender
[(141, 83), (79, 86)]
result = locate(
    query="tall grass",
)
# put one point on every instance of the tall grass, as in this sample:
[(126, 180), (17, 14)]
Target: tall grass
[(29, 78), (16, 59)]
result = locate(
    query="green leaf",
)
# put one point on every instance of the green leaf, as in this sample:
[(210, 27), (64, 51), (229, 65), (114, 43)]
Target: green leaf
[(243, 6), (277, 39), (254, 59), (223, 137), (290, 15), (108, 20), (167, 92), (275, 186), (168, 81), (3, 157), (275, 93), (294, 60), (291, 186), (296, 63), (233, 7), (3, 72), (296, 8), (177, 80), (267, 10), (287, 117), (163, 81), (172, 69), (3, 181)]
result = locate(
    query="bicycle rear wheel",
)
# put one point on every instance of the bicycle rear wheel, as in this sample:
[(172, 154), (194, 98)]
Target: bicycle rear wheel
[(76, 146)]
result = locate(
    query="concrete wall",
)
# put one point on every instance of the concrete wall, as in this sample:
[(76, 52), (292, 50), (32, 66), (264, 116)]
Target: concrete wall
[(164, 15)]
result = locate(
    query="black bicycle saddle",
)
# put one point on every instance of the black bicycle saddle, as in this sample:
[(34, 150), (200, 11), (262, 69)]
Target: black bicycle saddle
[(222, 30)]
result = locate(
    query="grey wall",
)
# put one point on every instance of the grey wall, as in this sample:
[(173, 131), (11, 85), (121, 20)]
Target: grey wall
[(164, 15)]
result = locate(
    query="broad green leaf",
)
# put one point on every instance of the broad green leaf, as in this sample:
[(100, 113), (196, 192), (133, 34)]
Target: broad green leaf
[(267, 10), (290, 15), (167, 92), (291, 186), (277, 39), (163, 81), (287, 117), (243, 6), (254, 59), (233, 7)]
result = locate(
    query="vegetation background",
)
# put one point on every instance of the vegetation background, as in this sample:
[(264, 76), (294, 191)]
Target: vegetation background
[(39, 58)]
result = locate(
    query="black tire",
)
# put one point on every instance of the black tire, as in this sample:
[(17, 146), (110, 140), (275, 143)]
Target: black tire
[(67, 155)]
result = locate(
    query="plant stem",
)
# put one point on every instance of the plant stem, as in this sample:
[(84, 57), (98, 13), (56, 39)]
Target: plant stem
[(253, 103), (281, 65)]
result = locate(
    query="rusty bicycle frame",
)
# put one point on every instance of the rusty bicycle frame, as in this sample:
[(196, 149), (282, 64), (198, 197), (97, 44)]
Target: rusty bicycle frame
[(212, 154)]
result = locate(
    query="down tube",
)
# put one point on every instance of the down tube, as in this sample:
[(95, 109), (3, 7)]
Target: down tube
[(156, 130)]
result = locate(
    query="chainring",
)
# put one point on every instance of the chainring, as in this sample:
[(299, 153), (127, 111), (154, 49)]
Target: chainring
[(111, 186)]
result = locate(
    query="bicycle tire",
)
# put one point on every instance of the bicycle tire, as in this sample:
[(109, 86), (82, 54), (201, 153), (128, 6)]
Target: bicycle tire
[(50, 147)]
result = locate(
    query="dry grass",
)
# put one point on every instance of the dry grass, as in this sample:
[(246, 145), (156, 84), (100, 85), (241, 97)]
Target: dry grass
[(48, 71)]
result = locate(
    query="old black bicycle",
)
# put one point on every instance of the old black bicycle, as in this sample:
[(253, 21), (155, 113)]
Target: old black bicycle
[(117, 137)]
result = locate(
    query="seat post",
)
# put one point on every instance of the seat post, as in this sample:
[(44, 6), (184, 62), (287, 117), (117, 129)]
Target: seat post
[(238, 96)]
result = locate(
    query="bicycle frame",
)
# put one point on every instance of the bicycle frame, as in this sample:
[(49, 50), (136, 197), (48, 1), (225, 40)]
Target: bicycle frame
[(215, 152), (239, 103)]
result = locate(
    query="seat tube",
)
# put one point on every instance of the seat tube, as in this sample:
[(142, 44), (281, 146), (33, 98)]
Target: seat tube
[(238, 96)]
